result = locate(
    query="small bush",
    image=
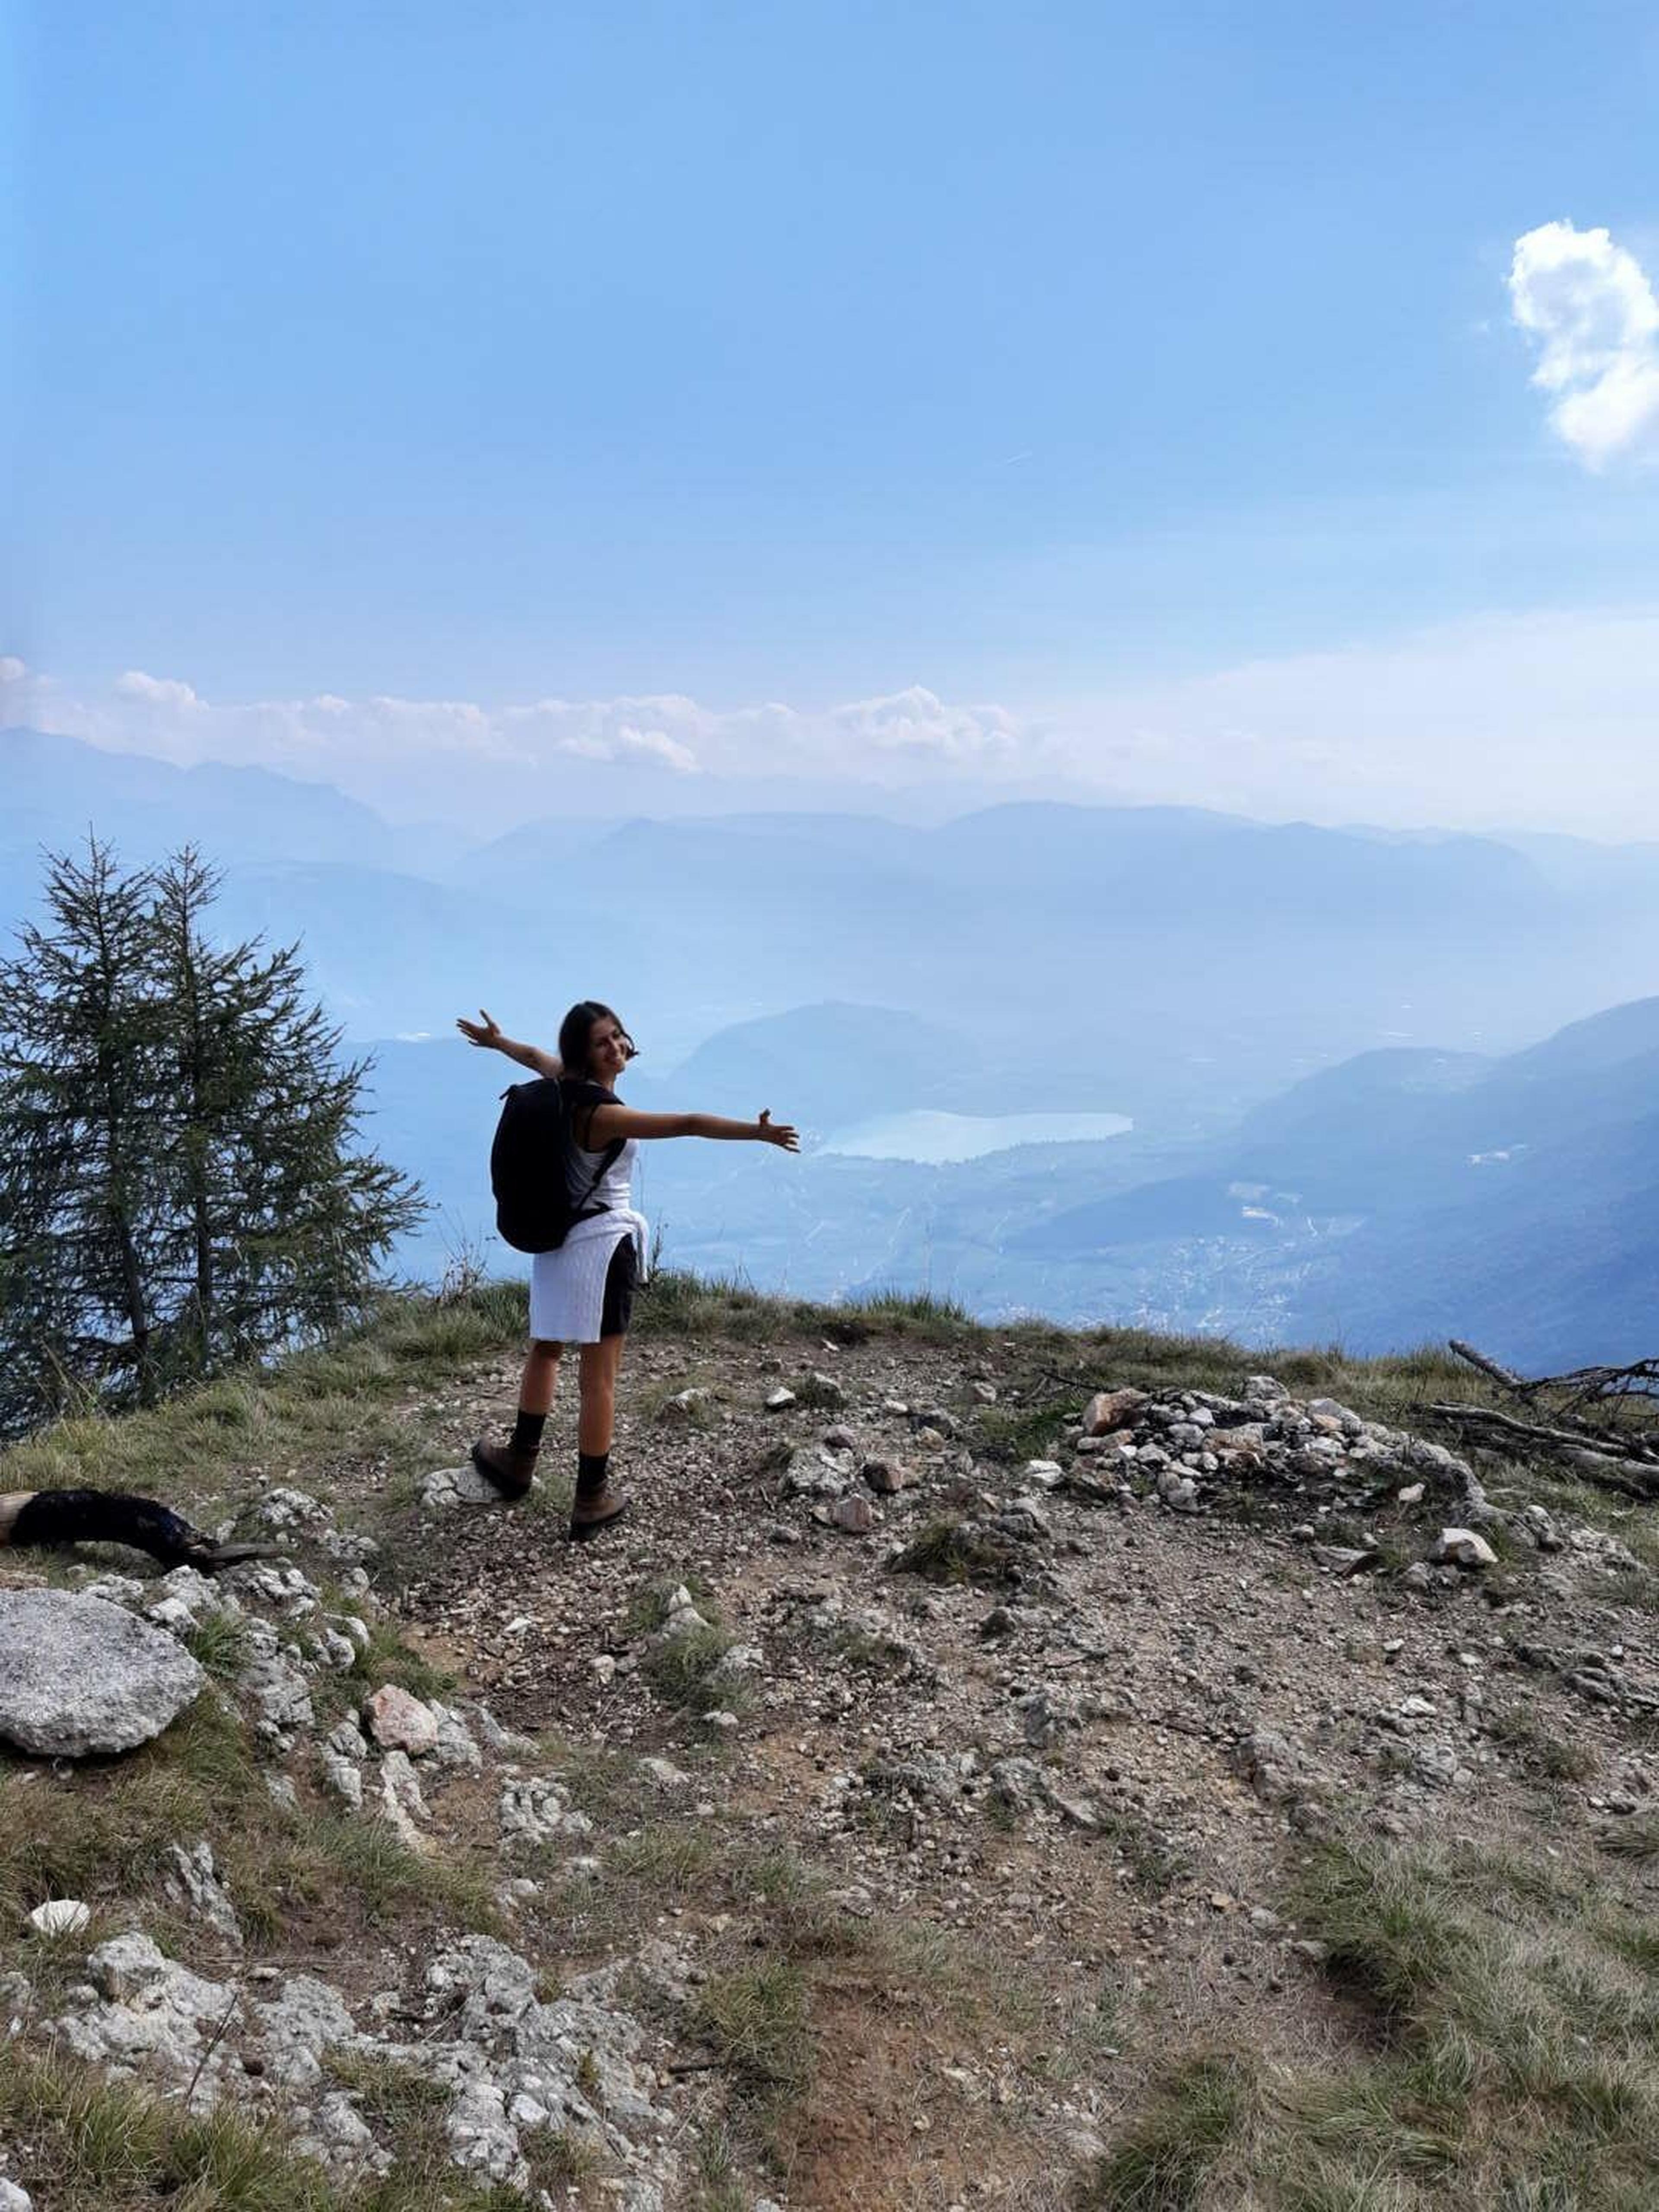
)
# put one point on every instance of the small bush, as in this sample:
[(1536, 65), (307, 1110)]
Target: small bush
[(683, 1671), (949, 1550)]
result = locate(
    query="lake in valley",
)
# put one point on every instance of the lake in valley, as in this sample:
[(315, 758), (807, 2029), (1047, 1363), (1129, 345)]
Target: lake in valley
[(941, 1139)]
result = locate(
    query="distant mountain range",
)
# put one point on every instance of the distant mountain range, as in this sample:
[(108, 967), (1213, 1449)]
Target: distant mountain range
[(1407, 1195), (1171, 964), (1342, 1127)]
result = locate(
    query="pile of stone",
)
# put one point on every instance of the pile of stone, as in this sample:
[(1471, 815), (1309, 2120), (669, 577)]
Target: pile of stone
[(1190, 1451)]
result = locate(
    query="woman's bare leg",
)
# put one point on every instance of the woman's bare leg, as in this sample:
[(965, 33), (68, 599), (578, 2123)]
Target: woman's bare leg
[(541, 1377), (596, 1503), (511, 1466), (597, 1383)]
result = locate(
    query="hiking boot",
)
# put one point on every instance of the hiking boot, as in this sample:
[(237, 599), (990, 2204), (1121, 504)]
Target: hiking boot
[(510, 1470), (595, 1511)]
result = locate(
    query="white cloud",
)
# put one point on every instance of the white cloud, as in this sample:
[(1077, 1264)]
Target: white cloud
[(156, 690), (427, 754), (667, 731), (12, 669), (918, 723), (626, 743), (1544, 720), (1591, 308)]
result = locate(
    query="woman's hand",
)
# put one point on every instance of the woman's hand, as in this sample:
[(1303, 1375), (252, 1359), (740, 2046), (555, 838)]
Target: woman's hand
[(777, 1133), (485, 1031)]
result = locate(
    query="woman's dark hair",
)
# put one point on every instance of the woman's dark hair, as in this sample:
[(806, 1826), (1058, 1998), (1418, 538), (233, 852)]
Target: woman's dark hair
[(577, 1027)]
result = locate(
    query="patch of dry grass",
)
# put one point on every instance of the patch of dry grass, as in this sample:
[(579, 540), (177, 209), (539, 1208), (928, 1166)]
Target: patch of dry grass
[(1505, 2052), (1541, 1751), (104, 1833), (337, 1401)]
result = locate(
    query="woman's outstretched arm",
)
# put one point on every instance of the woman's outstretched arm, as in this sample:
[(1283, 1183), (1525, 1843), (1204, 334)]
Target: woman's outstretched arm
[(486, 1031), (609, 1123)]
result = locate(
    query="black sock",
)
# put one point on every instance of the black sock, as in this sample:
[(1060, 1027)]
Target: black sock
[(590, 1472), (527, 1431)]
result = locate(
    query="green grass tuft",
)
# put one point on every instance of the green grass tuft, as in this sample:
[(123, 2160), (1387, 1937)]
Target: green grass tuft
[(1013, 1434), (1541, 1753), (333, 1399), (388, 1658), (219, 1645), (389, 2094), (754, 2020), (1163, 2161), (1631, 1839)]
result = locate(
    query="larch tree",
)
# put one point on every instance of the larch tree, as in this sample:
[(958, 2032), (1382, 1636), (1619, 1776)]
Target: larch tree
[(181, 1183), (284, 1216)]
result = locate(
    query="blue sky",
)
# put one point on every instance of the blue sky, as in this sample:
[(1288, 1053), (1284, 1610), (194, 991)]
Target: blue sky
[(1055, 364)]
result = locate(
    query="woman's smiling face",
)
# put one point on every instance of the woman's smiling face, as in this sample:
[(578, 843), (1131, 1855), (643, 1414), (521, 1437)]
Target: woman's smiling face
[(609, 1049)]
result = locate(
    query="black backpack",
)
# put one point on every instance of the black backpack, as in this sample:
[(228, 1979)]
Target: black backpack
[(533, 1168)]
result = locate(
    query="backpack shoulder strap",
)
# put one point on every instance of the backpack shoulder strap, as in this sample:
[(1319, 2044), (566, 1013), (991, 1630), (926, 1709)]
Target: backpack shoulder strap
[(580, 1100)]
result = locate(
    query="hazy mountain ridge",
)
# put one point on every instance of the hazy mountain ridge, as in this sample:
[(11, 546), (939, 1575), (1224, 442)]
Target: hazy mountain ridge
[(1177, 965), (1188, 963)]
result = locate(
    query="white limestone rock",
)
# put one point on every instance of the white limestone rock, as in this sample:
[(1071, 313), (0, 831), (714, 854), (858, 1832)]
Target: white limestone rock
[(274, 1687), (115, 1590), (305, 2018), (79, 1676), (398, 1722), (449, 1487), (145, 2013), (194, 1883), (535, 1810), (400, 1800), (683, 1617), (60, 1916), (292, 1508), (456, 1744), (1462, 1547), (288, 1593)]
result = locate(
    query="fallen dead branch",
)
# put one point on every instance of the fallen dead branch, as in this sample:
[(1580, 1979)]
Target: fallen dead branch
[(1631, 1478), (1614, 1450)]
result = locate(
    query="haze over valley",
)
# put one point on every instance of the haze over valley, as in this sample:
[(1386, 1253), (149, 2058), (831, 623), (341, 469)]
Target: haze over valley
[(1148, 1065)]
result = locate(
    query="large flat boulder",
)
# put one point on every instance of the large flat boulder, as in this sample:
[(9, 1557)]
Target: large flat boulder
[(79, 1676)]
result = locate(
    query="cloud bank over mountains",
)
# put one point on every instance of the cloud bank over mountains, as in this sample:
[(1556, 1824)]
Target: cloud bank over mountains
[(455, 752), (1590, 307), (1468, 725)]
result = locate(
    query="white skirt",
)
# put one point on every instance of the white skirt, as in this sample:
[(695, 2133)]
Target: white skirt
[(567, 1287)]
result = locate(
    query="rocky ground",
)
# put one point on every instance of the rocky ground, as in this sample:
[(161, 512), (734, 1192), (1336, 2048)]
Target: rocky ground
[(934, 1761)]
